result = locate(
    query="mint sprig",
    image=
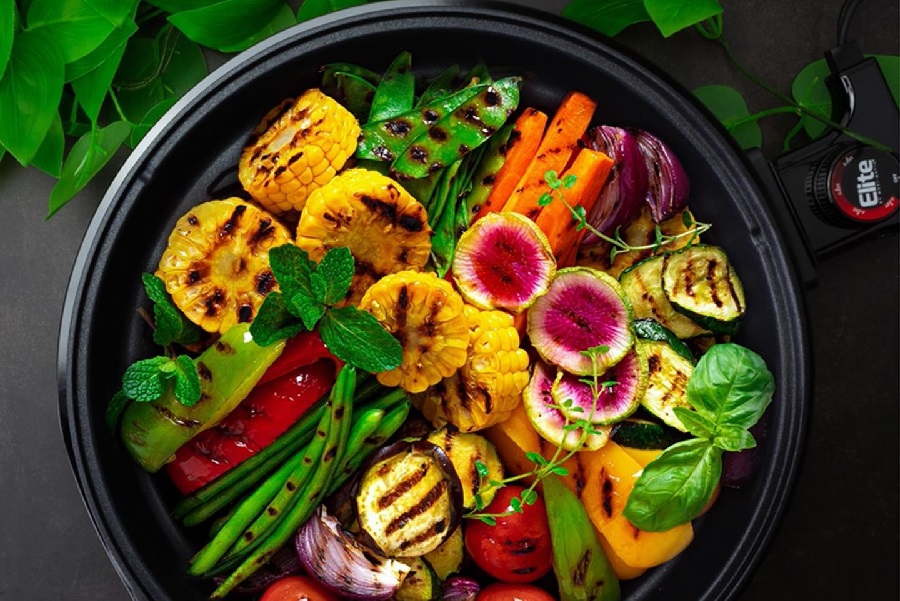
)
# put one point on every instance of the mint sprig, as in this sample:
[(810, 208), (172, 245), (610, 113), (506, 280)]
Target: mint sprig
[(309, 291), (171, 326), (148, 379), (729, 389)]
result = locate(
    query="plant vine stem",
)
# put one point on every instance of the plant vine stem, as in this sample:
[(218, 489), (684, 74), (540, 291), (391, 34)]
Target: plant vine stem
[(115, 101), (799, 107)]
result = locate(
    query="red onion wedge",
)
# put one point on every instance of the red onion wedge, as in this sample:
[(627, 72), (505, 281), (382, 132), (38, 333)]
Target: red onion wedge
[(668, 185), (460, 588), (331, 555), (625, 188)]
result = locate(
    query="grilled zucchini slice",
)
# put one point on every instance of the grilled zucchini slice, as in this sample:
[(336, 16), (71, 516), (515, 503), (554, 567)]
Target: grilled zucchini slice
[(448, 558), (701, 283), (409, 499), (667, 382), (642, 284), (464, 449), (642, 434), (649, 329), (421, 584)]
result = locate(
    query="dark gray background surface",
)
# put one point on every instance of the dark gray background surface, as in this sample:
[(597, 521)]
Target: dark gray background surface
[(839, 537)]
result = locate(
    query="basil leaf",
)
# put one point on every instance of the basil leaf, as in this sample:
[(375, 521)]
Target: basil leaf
[(75, 28), (608, 17), (729, 107), (8, 21), (731, 385), (357, 338), (670, 16), (283, 19), (316, 8), (30, 91), (50, 155), (336, 271), (226, 23), (89, 154), (273, 322), (675, 486), (699, 426), (733, 438)]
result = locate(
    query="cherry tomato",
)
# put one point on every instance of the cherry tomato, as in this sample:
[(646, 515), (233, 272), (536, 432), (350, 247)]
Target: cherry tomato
[(517, 548), (500, 591), (297, 588)]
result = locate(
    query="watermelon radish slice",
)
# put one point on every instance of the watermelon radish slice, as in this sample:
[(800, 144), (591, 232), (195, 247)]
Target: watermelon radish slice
[(621, 389), (584, 308), (503, 262), (549, 421)]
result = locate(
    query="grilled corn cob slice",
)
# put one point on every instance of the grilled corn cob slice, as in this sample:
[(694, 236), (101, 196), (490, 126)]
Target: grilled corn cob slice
[(384, 227), (426, 315), (216, 264), (489, 386), (297, 147)]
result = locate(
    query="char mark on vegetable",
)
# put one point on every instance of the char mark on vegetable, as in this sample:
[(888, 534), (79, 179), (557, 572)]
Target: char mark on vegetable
[(245, 313), (403, 487), (214, 302), (430, 498), (265, 282), (398, 127), (435, 530), (438, 134), (606, 493), (376, 205), (233, 222), (418, 154), (412, 223)]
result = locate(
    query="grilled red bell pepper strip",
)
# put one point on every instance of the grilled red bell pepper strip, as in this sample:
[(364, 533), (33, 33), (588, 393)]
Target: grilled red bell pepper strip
[(304, 373)]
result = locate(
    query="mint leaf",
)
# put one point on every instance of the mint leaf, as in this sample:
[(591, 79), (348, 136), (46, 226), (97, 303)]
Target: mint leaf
[(357, 338), (273, 321), (335, 270), (145, 380), (731, 385), (675, 486), (733, 438), (171, 324), (696, 424), (308, 309), (117, 405), (187, 381), (292, 269)]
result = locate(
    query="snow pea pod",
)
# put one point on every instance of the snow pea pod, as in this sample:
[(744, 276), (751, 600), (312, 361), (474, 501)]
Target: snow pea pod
[(443, 241), (445, 83), (460, 131), (483, 178), (353, 92), (396, 91), (385, 140)]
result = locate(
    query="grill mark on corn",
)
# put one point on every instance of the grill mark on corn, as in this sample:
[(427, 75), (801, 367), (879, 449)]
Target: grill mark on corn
[(461, 393), (401, 314), (245, 313), (376, 205), (424, 504), (403, 487), (214, 302), (265, 282), (233, 221)]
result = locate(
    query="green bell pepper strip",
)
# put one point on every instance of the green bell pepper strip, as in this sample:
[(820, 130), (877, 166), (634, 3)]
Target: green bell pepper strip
[(582, 570)]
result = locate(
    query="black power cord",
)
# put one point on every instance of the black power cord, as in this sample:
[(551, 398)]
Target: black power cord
[(845, 18)]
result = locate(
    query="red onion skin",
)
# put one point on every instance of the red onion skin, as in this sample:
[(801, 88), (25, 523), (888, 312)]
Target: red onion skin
[(738, 468), (460, 588), (625, 189), (668, 185)]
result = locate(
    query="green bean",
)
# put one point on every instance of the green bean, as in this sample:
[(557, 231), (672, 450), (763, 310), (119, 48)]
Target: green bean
[(364, 427), (307, 499), (392, 421)]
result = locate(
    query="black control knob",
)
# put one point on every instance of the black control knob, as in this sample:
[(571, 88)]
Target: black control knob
[(854, 186)]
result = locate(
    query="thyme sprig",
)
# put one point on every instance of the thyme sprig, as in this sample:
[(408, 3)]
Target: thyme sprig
[(617, 243), (543, 466)]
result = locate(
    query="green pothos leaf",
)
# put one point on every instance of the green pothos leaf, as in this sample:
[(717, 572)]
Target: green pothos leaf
[(671, 16), (114, 11), (316, 8), (30, 91), (111, 45), (609, 17), (226, 23), (49, 156), (283, 19), (7, 31), (92, 87), (89, 154), (75, 27), (729, 107)]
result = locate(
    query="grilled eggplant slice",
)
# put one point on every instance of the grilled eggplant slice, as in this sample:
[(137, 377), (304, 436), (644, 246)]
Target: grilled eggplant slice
[(409, 499), (701, 283), (667, 382), (642, 283), (464, 449)]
